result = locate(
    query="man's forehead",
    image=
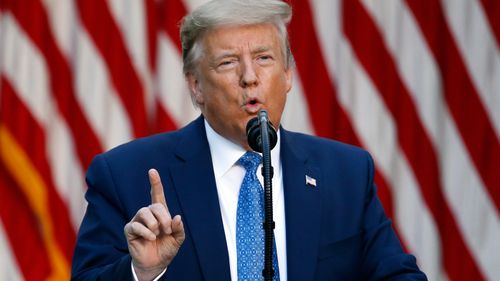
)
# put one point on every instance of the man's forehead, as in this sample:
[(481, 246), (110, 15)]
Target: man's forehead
[(258, 38), (232, 31)]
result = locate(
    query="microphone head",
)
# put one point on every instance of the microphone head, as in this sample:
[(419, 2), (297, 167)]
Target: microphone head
[(254, 137)]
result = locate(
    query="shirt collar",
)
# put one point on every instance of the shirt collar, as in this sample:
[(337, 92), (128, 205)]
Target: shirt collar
[(226, 153)]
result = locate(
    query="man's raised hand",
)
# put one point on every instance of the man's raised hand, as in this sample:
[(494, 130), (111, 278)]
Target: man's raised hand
[(153, 237)]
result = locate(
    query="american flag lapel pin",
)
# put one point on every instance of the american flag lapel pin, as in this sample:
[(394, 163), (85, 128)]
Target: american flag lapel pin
[(310, 181)]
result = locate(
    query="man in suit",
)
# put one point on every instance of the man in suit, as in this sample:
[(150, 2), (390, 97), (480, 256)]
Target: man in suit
[(329, 222)]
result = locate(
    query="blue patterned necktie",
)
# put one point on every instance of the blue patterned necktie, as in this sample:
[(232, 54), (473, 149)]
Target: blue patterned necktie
[(249, 223)]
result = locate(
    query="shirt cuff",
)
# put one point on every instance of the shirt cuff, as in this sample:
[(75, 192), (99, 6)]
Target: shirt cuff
[(135, 275)]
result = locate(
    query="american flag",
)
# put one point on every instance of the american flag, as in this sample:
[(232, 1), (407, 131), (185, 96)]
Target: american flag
[(415, 82)]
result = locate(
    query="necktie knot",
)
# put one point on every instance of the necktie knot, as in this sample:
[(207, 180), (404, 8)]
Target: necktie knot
[(250, 161)]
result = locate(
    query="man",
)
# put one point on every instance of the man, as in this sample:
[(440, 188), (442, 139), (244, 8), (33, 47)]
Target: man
[(329, 222)]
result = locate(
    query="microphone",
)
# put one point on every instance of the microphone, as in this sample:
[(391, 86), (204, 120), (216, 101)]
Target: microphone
[(262, 138), (254, 135)]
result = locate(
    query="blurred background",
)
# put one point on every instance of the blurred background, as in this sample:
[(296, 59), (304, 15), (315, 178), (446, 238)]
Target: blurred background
[(415, 82)]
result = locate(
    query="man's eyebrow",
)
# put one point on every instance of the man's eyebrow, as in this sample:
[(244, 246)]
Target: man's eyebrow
[(261, 49), (230, 53), (224, 54)]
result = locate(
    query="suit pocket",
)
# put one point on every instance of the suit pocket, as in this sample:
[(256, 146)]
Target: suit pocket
[(341, 247), (340, 259)]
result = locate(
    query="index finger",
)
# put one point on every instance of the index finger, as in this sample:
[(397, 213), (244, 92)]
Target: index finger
[(157, 195)]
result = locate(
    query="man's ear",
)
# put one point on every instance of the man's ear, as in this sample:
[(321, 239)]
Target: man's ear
[(289, 78), (194, 88)]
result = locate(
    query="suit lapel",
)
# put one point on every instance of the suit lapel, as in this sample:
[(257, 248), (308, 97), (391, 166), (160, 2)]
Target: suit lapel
[(302, 210), (195, 185)]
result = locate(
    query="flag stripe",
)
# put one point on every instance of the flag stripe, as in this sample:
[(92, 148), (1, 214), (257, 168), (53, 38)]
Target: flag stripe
[(415, 57), (492, 11), (152, 30), (378, 132), (461, 96), (82, 55), (174, 107), (131, 16), (417, 223), (99, 100), (97, 19), (31, 254), (17, 144), (62, 17), (173, 96), (319, 90), (480, 53), (411, 134), (42, 198), (9, 269), (35, 94), (163, 121), (32, 18), (32, 185), (171, 15), (296, 115)]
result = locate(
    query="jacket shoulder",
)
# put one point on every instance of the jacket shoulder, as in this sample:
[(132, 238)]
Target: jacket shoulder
[(153, 146), (319, 147)]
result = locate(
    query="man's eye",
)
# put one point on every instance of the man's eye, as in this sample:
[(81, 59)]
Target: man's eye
[(265, 58), (225, 63)]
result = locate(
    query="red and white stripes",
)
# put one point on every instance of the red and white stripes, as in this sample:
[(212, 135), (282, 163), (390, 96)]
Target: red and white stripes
[(417, 83)]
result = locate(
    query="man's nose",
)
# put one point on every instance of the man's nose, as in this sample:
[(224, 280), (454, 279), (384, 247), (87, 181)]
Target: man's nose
[(248, 75)]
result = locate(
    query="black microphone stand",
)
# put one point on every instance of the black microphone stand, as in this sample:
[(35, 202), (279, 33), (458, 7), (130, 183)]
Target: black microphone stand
[(267, 173), (262, 138)]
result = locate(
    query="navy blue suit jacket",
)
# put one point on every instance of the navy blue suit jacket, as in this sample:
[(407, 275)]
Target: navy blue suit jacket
[(335, 231)]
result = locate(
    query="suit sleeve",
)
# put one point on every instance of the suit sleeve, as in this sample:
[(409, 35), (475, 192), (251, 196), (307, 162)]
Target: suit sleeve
[(384, 258), (101, 252)]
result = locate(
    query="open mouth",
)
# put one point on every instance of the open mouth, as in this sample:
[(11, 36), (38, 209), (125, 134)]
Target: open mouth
[(253, 106)]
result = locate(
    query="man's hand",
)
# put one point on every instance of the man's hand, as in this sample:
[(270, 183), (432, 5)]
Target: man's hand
[(153, 237)]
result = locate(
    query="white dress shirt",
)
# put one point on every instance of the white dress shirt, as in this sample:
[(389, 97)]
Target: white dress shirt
[(228, 178)]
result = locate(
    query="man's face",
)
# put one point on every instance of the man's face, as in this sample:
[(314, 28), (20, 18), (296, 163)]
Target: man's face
[(241, 71)]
